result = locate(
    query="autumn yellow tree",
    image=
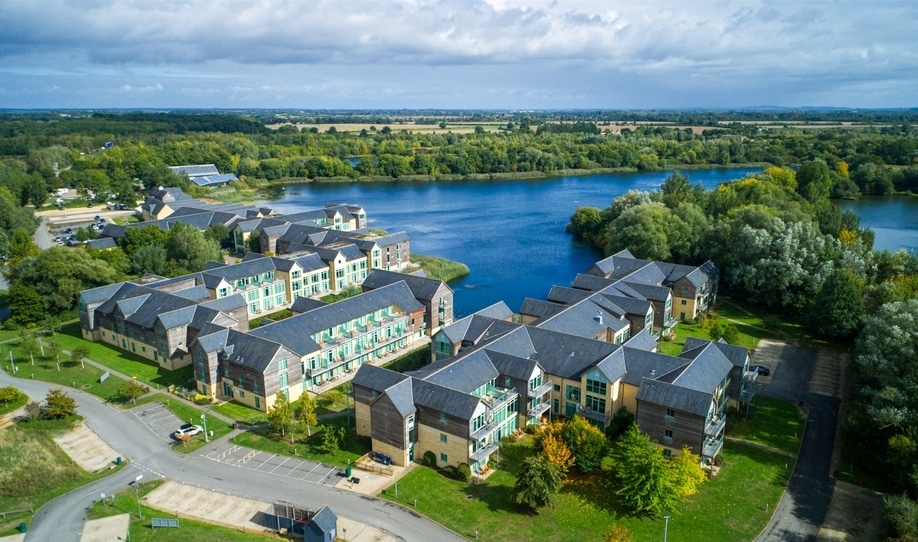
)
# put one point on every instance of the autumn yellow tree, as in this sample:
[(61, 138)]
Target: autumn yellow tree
[(686, 472), (553, 446)]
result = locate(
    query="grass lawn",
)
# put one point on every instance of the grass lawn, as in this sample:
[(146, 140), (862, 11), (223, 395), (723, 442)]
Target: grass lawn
[(241, 413), (33, 470), (747, 336), (728, 508), (125, 502), (71, 374), (130, 364), (772, 423), (306, 447)]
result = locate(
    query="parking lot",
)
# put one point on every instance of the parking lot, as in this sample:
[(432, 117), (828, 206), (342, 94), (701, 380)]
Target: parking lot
[(163, 423), (278, 465)]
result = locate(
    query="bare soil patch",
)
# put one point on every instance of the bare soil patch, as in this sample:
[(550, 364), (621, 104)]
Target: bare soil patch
[(856, 514), (86, 449), (106, 529)]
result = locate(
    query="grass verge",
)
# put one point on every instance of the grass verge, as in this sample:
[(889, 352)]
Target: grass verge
[(33, 470), (84, 377), (440, 268), (772, 423), (731, 507)]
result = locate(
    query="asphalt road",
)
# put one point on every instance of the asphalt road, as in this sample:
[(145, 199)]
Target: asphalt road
[(803, 509), (63, 518)]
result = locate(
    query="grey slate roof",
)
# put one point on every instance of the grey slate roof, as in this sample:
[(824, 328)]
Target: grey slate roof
[(675, 397), (295, 331), (305, 304), (465, 374), (442, 399), (736, 354), (325, 521), (422, 287), (377, 378), (566, 296), (102, 243), (591, 283), (540, 309), (707, 370)]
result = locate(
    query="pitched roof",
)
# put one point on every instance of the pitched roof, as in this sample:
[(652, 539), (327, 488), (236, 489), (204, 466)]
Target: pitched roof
[(422, 287), (736, 354), (675, 397)]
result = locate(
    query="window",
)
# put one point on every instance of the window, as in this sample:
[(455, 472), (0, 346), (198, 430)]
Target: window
[(667, 453), (683, 302), (443, 458), (257, 403), (595, 404), (670, 413), (596, 386), (283, 381), (442, 417), (685, 289), (668, 434), (443, 438), (558, 388), (282, 364)]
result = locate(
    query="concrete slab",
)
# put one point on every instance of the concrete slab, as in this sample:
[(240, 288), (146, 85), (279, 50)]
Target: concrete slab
[(19, 537), (106, 529), (86, 449)]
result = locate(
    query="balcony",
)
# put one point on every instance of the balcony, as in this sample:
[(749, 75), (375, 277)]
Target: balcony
[(495, 398), (670, 322), (482, 454), (483, 431), (539, 409), (594, 415), (712, 447), (715, 426), (541, 390)]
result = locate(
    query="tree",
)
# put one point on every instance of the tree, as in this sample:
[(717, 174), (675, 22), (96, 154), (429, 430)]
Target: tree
[(332, 436), (131, 390), (586, 224), (838, 307), (643, 230), (58, 405), (59, 274), (641, 476), (188, 249), (537, 481), (814, 180), (686, 472), (149, 259), (137, 238), (79, 352), (553, 446), (902, 514), (26, 304), (307, 413), (586, 442), (21, 246), (280, 415), (723, 330), (28, 345)]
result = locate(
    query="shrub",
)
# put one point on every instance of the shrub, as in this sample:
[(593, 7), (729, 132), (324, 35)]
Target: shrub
[(464, 473), (902, 514), (430, 459), (201, 399)]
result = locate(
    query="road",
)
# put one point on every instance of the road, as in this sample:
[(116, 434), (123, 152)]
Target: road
[(62, 519), (803, 508)]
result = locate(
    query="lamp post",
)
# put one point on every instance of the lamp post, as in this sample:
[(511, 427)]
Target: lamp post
[(665, 528), (204, 421), (137, 492)]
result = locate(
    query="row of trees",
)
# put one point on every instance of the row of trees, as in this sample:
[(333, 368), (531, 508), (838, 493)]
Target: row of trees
[(44, 282), (42, 156)]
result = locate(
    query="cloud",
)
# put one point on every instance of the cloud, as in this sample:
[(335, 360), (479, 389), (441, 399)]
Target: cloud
[(674, 50)]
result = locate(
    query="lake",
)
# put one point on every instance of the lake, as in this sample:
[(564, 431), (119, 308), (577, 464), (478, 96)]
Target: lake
[(509, 233), (894, 220)]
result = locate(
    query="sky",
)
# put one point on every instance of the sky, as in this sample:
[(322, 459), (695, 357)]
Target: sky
[(457, 54)]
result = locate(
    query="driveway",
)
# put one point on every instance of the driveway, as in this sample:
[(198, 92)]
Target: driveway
[(813, 379)]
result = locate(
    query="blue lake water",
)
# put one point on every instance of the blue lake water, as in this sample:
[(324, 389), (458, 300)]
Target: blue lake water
[(894, 220), (510, 233)]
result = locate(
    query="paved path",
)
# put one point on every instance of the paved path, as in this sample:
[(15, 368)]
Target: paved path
[(799, 374), (63, 518)]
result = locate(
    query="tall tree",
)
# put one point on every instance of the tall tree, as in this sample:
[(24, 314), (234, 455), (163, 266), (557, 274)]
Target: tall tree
[(307, 413), (188, 249), (814, 180), (641, 476), (586, 442), (280, 415), (537, 481), (838, 307)]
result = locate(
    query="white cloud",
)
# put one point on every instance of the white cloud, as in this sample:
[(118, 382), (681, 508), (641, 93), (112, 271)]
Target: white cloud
[(657, 53)]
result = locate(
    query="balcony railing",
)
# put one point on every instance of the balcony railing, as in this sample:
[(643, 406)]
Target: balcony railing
[(538, 410), (541, 390), (594, 415), (482, 454), (715, 426), (670, 322), (712, 447), (483, 431), (495, 398)]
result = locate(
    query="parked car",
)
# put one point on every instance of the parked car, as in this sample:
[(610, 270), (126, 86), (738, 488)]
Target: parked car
[(187, 429), (761, 369)]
